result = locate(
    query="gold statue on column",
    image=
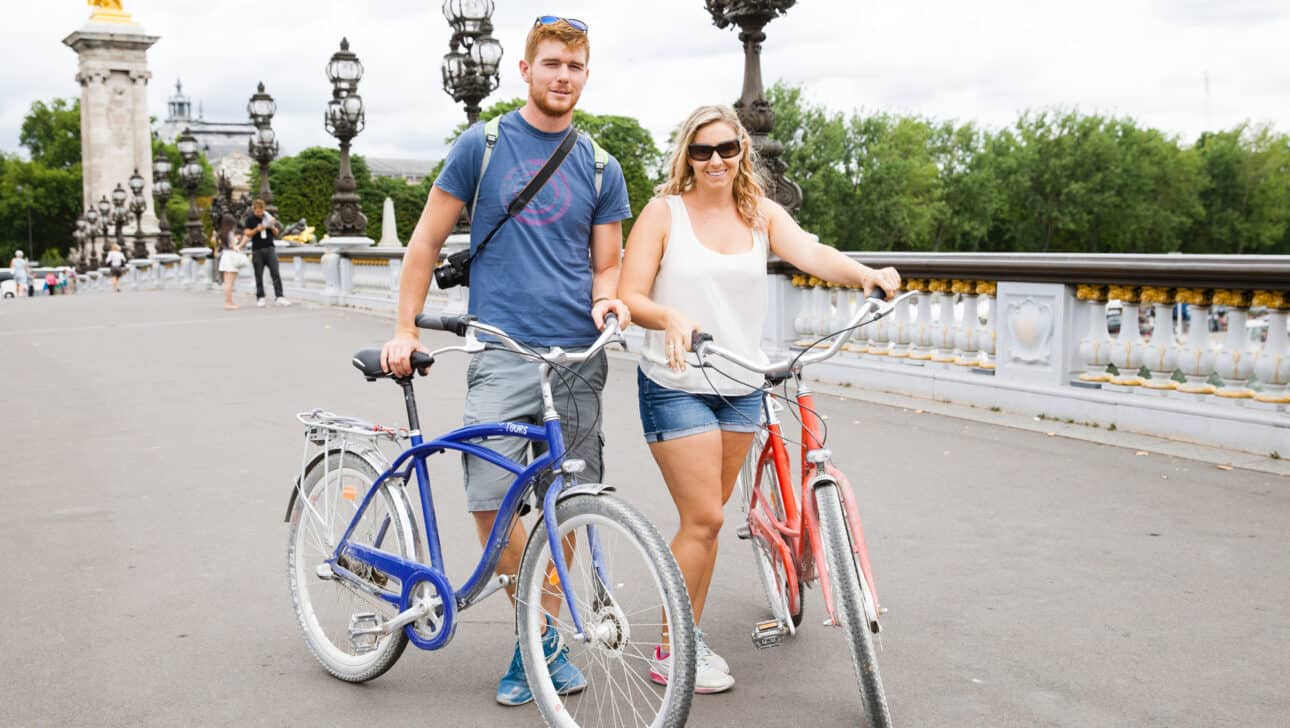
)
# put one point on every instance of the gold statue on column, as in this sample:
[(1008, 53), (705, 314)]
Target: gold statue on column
[(109, 11)]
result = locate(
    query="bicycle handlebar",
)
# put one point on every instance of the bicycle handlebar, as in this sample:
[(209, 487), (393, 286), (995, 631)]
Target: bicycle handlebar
[(703, 344), (463, 324)]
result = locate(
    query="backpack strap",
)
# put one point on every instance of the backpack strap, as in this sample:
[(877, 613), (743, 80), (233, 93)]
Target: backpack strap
[(491, 128), (602, 161)]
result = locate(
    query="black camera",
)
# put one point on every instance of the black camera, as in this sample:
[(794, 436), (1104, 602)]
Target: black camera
[(455, 271)]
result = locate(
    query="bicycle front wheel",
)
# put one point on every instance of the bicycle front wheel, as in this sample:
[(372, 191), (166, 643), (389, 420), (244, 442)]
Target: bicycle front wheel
[(848, 603), (326, 606), (627, 586)]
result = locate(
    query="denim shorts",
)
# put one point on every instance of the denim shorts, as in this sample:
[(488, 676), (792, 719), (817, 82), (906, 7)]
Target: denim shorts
[(668, 414)]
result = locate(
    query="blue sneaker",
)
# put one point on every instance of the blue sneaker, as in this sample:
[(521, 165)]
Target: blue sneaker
[(513, 688)]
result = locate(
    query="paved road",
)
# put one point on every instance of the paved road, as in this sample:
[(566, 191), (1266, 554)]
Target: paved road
[(149, 445)]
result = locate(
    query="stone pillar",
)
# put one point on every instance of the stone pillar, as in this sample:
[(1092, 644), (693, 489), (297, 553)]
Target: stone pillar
[(115, 135)]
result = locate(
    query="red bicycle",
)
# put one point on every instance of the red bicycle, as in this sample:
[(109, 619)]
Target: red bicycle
[(797, 541)]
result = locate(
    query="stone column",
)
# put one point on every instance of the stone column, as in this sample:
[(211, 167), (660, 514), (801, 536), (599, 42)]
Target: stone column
[(115, 135)]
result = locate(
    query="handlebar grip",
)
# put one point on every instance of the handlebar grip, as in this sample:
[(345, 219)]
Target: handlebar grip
[(421, 361), (610, 317), (698, 338), (455, 324), (878, 294)]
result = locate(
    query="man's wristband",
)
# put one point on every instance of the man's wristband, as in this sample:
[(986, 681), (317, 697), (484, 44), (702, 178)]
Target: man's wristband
[(602, 298)]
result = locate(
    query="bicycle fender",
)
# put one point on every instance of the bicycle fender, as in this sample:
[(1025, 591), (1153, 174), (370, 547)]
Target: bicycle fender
[(585, 489), (822, 479), (365, 454)]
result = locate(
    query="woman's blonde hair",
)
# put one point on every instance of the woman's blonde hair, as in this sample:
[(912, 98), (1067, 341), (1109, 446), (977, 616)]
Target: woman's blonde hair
[(748, 189), (116, 246)]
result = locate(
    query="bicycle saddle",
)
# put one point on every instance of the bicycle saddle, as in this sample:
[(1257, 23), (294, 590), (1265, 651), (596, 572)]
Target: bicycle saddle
[(368, 361)]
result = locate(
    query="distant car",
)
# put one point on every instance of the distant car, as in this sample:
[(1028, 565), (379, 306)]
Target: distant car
[(8, 286)]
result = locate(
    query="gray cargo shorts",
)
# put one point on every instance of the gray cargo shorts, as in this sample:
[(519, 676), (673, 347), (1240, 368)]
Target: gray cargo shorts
[(502, 386)]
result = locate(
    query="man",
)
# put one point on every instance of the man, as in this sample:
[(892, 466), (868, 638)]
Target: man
[(260, 227), (21, 274), (547, 277)]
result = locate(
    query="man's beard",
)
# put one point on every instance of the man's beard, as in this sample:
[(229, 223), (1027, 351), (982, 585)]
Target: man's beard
[(539, 100)]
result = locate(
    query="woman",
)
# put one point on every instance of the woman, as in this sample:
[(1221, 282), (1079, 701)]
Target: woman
[(231, 259), (115, 262), (696, 260)]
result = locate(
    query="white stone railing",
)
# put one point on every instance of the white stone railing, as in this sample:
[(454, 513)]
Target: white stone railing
[(1039, 341), (1030, 333)]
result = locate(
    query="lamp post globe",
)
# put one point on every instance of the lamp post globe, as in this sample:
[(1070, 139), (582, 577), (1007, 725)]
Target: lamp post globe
[(191, 175), (344, 119), (119, 213), (263, 145), (138, 205), (470, 68), (160, 196)]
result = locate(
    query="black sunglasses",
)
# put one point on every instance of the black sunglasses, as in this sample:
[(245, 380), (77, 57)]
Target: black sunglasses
[(553, 19), (703, 152)]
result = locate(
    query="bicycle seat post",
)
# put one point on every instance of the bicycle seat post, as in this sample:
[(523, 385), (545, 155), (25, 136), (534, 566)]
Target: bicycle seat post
[(410, 400)]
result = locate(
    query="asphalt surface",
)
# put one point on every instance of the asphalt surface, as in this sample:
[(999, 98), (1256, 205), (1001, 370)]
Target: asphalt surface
[(149, 445)]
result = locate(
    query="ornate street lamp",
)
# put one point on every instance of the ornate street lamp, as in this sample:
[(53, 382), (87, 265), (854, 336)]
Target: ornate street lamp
[(105, 219), (160, 196), (137, 207), (754, 111), (92, 229), (191, 175), (263, 145), (79, 236), (119, 214), (470, 68), (344, 120)]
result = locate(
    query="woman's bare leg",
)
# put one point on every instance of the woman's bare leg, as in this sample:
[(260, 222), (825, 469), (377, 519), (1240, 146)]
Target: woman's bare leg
[(229, 277)]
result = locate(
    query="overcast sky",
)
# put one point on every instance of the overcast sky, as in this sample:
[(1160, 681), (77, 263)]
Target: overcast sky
[(1178, 65)]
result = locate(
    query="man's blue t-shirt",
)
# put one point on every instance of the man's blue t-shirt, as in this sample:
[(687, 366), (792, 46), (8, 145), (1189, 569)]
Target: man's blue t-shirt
[(534, 278)]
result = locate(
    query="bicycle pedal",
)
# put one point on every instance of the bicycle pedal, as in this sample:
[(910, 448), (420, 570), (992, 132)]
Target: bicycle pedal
[(364, 632), (743, 532), (768, 633)]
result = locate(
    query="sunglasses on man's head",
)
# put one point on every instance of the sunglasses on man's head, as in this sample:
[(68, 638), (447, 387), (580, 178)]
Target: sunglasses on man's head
[(553, 19), (703, 152)]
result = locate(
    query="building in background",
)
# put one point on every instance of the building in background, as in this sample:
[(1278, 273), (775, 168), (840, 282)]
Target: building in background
[(223, 142), (411, 171)]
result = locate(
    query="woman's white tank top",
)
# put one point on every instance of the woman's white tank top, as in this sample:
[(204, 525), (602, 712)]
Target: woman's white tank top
[(723, 294)]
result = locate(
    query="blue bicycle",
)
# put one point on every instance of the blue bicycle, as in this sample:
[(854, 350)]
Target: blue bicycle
[(364, 582)]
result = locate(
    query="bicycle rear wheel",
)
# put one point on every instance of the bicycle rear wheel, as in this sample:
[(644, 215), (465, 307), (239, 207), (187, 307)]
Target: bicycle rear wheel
[(623, 594), (332, 488), (848, 603), (762, 478)]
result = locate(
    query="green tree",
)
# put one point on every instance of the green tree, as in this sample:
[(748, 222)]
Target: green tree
[(1246, 193), (52, 133)]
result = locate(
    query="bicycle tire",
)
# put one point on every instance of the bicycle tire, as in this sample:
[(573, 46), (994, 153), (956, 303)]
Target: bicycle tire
[(622, 644), (317, 521), (770, 570), (845, 576)]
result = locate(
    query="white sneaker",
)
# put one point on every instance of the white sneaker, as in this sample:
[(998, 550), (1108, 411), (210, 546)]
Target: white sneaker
[(259, 303), (702, 651), (707, 679), (281, 302)]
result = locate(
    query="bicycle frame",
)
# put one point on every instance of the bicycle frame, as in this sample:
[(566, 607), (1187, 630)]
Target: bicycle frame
[(411, 573)]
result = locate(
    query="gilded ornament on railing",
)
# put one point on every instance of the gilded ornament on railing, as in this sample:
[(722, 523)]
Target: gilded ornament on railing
[(814, 282), (1156, 294), (1229, 297), (1090, 292), (1194, 296), (987, 288), (915, 284), (963, 286), (939, 285), (799, 280), (1271, 299), (1127, 294)]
